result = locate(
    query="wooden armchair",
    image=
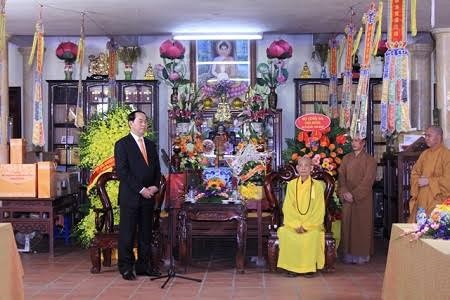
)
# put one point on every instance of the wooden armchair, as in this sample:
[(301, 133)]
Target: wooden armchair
[(107, 235), (272, 187)]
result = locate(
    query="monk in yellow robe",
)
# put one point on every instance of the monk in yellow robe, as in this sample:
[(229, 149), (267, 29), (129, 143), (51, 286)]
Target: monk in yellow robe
[(430, 176), (302, 238)]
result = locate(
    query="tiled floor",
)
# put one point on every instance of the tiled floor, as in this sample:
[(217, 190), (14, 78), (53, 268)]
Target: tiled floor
[(67, 276)]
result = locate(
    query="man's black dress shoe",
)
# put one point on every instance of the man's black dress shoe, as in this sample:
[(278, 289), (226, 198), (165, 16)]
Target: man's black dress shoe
[(149, 272), (128, 275)]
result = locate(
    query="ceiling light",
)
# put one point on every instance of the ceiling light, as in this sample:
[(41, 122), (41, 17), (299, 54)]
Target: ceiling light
[(217, 36)]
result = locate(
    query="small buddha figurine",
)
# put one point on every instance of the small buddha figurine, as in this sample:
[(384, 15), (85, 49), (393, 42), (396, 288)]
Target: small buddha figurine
[(149, 75), (306, 73)]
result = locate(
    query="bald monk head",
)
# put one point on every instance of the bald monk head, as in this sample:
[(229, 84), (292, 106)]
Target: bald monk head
[(304, 167), (434, 136)]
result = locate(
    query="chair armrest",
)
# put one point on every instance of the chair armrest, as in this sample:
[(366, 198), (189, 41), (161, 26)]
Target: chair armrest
[(99, 218)]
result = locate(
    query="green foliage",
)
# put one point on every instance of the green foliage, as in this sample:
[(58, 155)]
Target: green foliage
[(96, 145), (257, 178), (128, 55)]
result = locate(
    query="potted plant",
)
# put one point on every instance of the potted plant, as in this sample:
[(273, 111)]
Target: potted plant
[(129, 55)]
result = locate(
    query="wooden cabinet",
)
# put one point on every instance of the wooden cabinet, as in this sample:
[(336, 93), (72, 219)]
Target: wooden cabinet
[(98, 97), (63, 136), (311, 95)]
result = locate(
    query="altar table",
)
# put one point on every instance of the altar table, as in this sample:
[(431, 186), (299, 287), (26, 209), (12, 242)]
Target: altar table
[(11, 271), (213, 213), (416, 269)]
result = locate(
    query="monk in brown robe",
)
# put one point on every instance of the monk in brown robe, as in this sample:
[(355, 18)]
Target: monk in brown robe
[(356, 177), (430, 176)]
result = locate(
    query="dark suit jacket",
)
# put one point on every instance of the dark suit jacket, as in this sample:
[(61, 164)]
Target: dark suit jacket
[(133, 172)]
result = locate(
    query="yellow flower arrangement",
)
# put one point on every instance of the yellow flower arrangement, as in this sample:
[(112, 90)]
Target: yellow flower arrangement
[(251, 191)]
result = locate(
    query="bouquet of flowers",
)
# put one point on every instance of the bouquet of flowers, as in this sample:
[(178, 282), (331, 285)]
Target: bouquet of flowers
[(256, 109), (173, 69), (325, 147), (188, 106), (436, 226), (250, 165), (215, 190), (274, 72), (190, 150)]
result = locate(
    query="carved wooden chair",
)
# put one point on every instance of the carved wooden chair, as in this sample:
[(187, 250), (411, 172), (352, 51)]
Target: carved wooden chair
[(272, 187), (107, 235)]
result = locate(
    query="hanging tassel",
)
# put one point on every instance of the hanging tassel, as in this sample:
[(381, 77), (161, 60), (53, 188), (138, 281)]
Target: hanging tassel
[(3, 26), (413, 17), (378, 34), (357, 41), (79, 116), (33, 48)]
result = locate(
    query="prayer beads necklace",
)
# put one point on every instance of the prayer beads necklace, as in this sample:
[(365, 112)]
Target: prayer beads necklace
[(296, 197)]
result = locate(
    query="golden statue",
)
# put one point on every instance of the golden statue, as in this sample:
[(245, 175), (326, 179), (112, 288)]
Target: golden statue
[(149, 75), (98, 65), (306, 73)]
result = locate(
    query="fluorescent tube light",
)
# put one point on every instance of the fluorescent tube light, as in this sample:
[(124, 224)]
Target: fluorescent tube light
[(217, 36)]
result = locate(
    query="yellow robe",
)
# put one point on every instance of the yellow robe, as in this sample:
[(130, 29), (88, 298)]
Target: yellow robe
[(302, 252), (434, 164)]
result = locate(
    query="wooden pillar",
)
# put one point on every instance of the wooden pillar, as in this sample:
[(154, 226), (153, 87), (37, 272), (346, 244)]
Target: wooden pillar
[(27, 100), (442, 71), (420, 83), (4, 104)]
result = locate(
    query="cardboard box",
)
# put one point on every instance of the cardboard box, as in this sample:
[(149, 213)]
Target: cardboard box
[(17, 150), (46, 184), (18, 180)]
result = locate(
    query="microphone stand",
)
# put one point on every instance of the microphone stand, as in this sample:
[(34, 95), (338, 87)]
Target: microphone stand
[(171, 271)]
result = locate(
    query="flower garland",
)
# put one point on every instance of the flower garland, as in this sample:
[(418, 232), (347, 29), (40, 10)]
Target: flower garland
[(436, 226)]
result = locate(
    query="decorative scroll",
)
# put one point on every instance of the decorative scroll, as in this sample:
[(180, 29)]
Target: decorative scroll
[(79, 117), (394, 98), (38, 49), (332, 99), (346, 102), (112, 68), (359, 118)]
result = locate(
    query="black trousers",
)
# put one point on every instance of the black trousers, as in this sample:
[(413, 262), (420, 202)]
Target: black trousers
[(135, 221)]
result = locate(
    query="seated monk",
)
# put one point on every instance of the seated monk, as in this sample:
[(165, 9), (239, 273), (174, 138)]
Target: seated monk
[(430, 176), (301, 238)]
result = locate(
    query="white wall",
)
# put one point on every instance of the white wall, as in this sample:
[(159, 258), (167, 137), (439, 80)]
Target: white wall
[(54, 70)]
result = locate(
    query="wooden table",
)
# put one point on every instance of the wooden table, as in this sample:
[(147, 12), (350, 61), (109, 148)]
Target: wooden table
[(209, 212), (35, 214), (11, 271), (416, 269)]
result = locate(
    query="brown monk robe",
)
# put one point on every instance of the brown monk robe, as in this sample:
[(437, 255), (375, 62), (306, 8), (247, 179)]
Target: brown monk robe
[(430, 176), (356, 177)]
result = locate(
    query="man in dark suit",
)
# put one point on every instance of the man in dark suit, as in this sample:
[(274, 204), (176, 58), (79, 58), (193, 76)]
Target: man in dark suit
[(137, 165)]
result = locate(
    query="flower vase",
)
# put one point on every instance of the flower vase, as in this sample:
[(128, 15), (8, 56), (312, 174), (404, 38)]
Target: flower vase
[(174, 96), (272, 98), (128, 72), (323, 73), (68, 71)]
